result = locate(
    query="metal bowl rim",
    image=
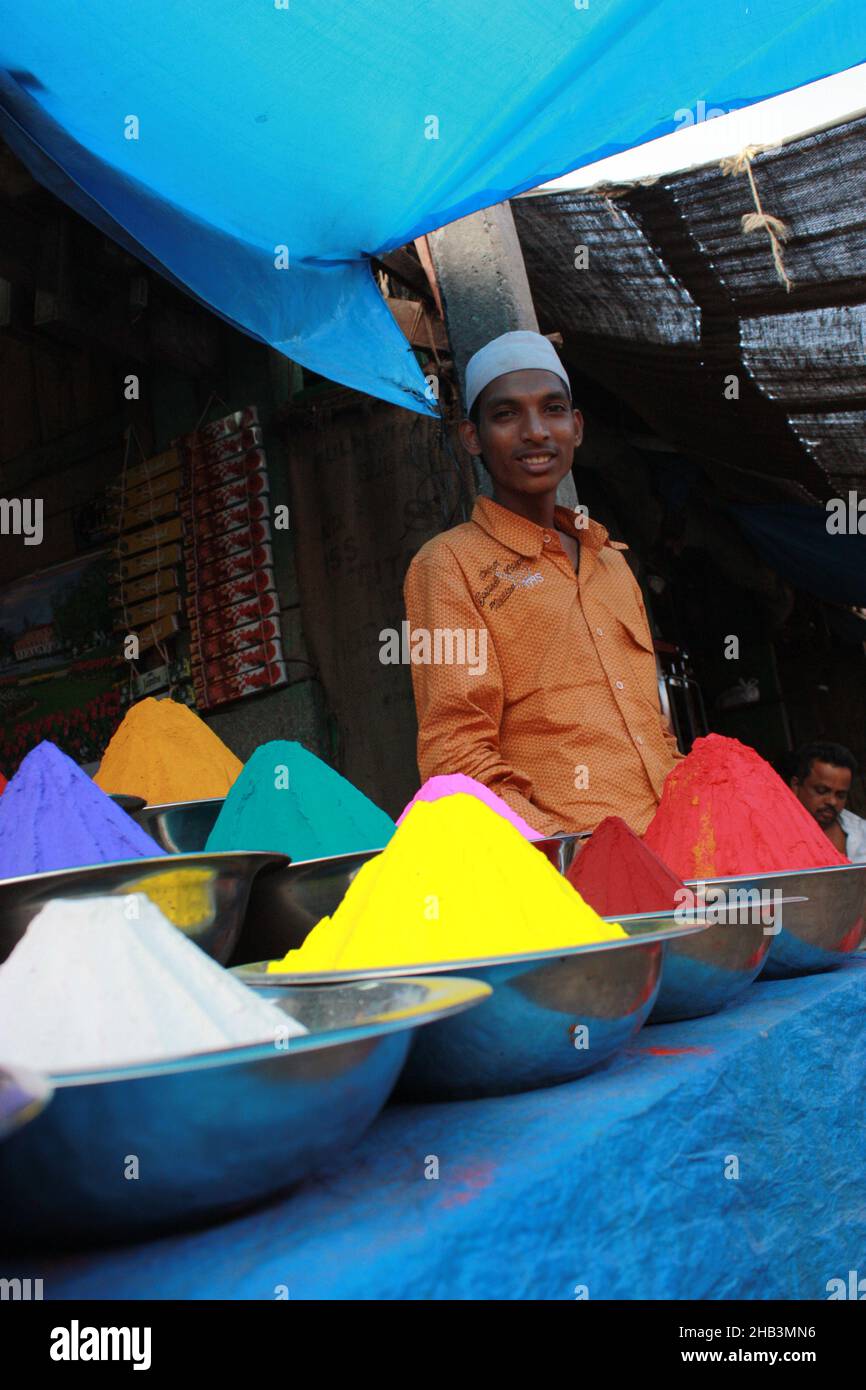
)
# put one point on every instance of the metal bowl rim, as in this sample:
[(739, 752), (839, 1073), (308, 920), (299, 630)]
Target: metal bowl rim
[(336, 859), (688, 915), (168, 861), (384, 972), (155, 807), (560, 839), (460, 994), (774, 874)]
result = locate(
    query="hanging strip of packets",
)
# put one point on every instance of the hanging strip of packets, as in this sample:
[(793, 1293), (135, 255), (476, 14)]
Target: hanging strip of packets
[(144, 589), (231, 595)]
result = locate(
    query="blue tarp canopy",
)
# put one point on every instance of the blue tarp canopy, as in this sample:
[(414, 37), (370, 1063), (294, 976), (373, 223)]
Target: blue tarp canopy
[(205, 135)]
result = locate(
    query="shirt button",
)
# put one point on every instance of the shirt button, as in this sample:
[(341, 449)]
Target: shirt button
[(546, 539), (619, 685), (600, 631), (638, 739)]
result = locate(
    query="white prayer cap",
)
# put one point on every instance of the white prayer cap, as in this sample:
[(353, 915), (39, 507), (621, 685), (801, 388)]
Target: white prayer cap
[(511, 352)]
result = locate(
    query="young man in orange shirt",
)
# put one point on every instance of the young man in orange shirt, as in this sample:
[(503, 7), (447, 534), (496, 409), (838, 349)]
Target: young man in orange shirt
[(561, 718)]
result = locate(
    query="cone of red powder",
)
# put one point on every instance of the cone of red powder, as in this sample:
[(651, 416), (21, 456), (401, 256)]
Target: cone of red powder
[(725, 811), (616, 873)]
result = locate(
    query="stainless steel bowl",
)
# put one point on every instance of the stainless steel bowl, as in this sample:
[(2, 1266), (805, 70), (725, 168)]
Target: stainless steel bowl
[(181, 827), (130, 1152), (562, 849), (706, 972), (552, 1016), (820, 932), (130, 804), (286, 905), (23, 1096), (205, 895)]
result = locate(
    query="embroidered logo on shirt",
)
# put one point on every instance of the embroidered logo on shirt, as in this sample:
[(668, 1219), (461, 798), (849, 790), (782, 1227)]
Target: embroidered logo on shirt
[(525, 581), (505, 576)]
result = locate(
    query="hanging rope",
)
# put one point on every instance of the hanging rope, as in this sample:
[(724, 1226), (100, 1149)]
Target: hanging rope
[(777, 230)]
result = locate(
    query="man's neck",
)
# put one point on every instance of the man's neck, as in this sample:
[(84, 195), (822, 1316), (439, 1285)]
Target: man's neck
[(538, 507)]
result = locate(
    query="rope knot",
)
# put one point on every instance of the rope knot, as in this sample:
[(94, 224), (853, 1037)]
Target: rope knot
[(754, 221), (777, 230)]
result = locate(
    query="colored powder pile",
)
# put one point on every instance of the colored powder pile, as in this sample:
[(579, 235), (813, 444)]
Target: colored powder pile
[(725, 811), (52, 816), (456, 882), (617, 874), (105, 982), (288, 801), (436, 787), (3, 784), (164, 752)]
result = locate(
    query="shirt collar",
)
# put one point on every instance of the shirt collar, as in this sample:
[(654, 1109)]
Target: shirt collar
[(527, 539)]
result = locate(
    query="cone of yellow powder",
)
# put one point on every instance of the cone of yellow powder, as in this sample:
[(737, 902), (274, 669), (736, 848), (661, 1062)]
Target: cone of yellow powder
[(456, 882), (162, 751)]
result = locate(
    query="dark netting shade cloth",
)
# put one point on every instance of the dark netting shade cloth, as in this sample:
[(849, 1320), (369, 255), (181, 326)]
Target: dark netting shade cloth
[(818, 191), (820, 353), (677, 300), (338, 129), (629, 296), (838, 441)]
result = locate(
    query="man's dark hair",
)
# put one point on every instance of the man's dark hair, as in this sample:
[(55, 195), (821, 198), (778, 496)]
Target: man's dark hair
[(833, 753)]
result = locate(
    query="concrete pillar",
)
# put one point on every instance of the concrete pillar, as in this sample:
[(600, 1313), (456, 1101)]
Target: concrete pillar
[(485, 291)]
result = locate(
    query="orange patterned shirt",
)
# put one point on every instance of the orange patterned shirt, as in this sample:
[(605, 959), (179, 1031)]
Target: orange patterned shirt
[(537, 681)]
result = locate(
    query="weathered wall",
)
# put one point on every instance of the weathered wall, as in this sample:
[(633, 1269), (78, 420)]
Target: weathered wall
[(370, 483)]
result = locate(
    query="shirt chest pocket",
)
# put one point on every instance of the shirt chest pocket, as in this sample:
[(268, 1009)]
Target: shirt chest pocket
[(632, 652)]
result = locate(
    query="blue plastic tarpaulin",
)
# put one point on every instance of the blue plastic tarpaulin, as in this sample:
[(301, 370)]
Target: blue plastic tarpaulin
[(205, 135), (715, 1159)]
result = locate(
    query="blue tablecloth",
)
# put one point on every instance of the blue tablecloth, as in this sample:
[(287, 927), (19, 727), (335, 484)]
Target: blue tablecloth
[(719, 1158)]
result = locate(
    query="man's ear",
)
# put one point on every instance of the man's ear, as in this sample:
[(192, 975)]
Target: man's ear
[(578, 429), (469, 437)]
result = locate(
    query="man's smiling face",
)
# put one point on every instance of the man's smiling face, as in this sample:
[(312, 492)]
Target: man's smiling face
[(527, 430)]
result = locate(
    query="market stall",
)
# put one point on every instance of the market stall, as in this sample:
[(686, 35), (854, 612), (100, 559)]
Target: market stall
[(456, 959), (681, 1170), (584, 1021)]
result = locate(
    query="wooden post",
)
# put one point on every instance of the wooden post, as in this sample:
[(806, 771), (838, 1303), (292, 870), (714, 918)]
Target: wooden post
[(484, 291)]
